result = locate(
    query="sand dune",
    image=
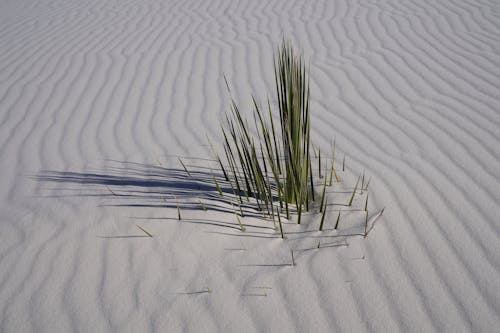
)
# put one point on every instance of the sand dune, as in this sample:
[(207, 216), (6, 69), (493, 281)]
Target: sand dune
[(99, 98)]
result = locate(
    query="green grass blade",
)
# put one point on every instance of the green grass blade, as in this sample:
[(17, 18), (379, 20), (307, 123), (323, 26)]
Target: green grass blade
[(353, 193), (322, 218), (217, 186), (321, 207), (185, 169), (337, 222), (242, 228), (281, 226)]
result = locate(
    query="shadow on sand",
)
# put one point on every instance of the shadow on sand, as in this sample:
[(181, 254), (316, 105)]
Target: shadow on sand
[(129, 184), (132, 184)]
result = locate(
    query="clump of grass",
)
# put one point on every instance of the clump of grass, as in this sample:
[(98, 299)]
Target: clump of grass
[(276, 164), (292, 87), (267, 164)]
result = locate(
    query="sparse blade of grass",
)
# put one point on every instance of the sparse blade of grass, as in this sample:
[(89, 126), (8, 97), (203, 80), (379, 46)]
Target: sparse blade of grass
[(185, 169), (331, 175), (322, 203), (281, 226), (366, 224), (242, 228), (254, 294), (287, 210), (207, 291), (179, 212), (110, 190), (227, 84), (368, 183), (333, 153), (353, 193), (323, 217), (335, 174), (337, 222), (311, 180), (241, 210), (226, 177), (366, 203), (299, 213), (319, 163), (343, 164), (147, 233), (217, 186)]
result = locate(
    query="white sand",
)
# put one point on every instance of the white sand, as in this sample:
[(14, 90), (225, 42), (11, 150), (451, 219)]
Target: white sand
[(97, 98)]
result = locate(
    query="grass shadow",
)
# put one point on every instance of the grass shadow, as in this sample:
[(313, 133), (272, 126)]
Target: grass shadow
[(129, 184)]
